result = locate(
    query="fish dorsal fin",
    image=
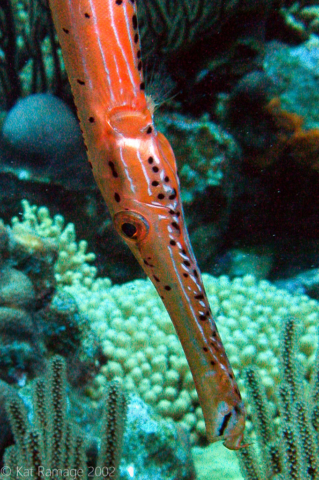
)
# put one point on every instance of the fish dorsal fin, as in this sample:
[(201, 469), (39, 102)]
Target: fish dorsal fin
[(167, 151)]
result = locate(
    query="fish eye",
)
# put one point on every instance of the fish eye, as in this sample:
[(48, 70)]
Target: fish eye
[(131, 226), (129, 230)]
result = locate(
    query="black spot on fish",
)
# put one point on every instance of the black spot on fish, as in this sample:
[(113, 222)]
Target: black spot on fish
[(134, 21), (213, 363), (150, 160), (155, 183), (66, 30), (91, 166), (149, 129), (195, 273), (185, 275), (183, 251), (146, 262), (174, 195), (119, 2), (224, 424), (91, 119), (136, 38), (160, 196), (172, 242), (214, 334), (231, 376), (166, 179), (139, 66), (168, 288), (138, 53), (171, 212), (187, 263), (238, 393), (133, 1), (205, 349), (114, 172), (80, 82), (176, 226), (203, 318), (155, 169), (142, 86), (199, 297), (117, 197), (156, 278), (86, 148), (87, 15)]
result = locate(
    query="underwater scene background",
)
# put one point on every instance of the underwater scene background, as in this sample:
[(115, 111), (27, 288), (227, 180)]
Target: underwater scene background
[(93, 377)]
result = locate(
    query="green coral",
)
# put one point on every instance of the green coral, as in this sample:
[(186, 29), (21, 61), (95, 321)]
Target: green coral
[(204, 152), (287, 437), (52, 445)]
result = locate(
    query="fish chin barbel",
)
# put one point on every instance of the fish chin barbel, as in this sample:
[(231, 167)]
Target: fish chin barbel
[(135, 169)]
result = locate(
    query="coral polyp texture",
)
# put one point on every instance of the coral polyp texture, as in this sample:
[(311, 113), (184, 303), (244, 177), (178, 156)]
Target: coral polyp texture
[(73, 260), (205, 153), (138, 338), (36, 317), (144, 353)]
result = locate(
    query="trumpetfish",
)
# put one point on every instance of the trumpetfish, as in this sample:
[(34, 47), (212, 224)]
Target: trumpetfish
[(135, 169)]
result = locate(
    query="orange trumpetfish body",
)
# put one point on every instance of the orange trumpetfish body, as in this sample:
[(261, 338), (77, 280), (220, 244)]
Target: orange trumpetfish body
[(134, 167)]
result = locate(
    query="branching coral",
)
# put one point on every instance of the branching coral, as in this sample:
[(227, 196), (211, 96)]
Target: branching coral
[(33, 315), (301, 18), (72, 263), (30, 61), (52, 443), (288, 442), (168, 27)]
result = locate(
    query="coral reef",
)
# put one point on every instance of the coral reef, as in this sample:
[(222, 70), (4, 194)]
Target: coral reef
[(152, 447), (52, 443), (30, 62), (306, 282), (301, 18), (205, 154), (294, 72), (72, 264), (286, 436), (217, 461), (41, 141), (144, 353), (33, 315), (172, 29), (6, 437)]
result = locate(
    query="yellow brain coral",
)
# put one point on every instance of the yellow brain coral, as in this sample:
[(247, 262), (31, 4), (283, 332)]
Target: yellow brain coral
[(144, 352)]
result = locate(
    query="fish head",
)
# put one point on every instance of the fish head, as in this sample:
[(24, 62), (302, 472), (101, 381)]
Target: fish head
[(230, 425)]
